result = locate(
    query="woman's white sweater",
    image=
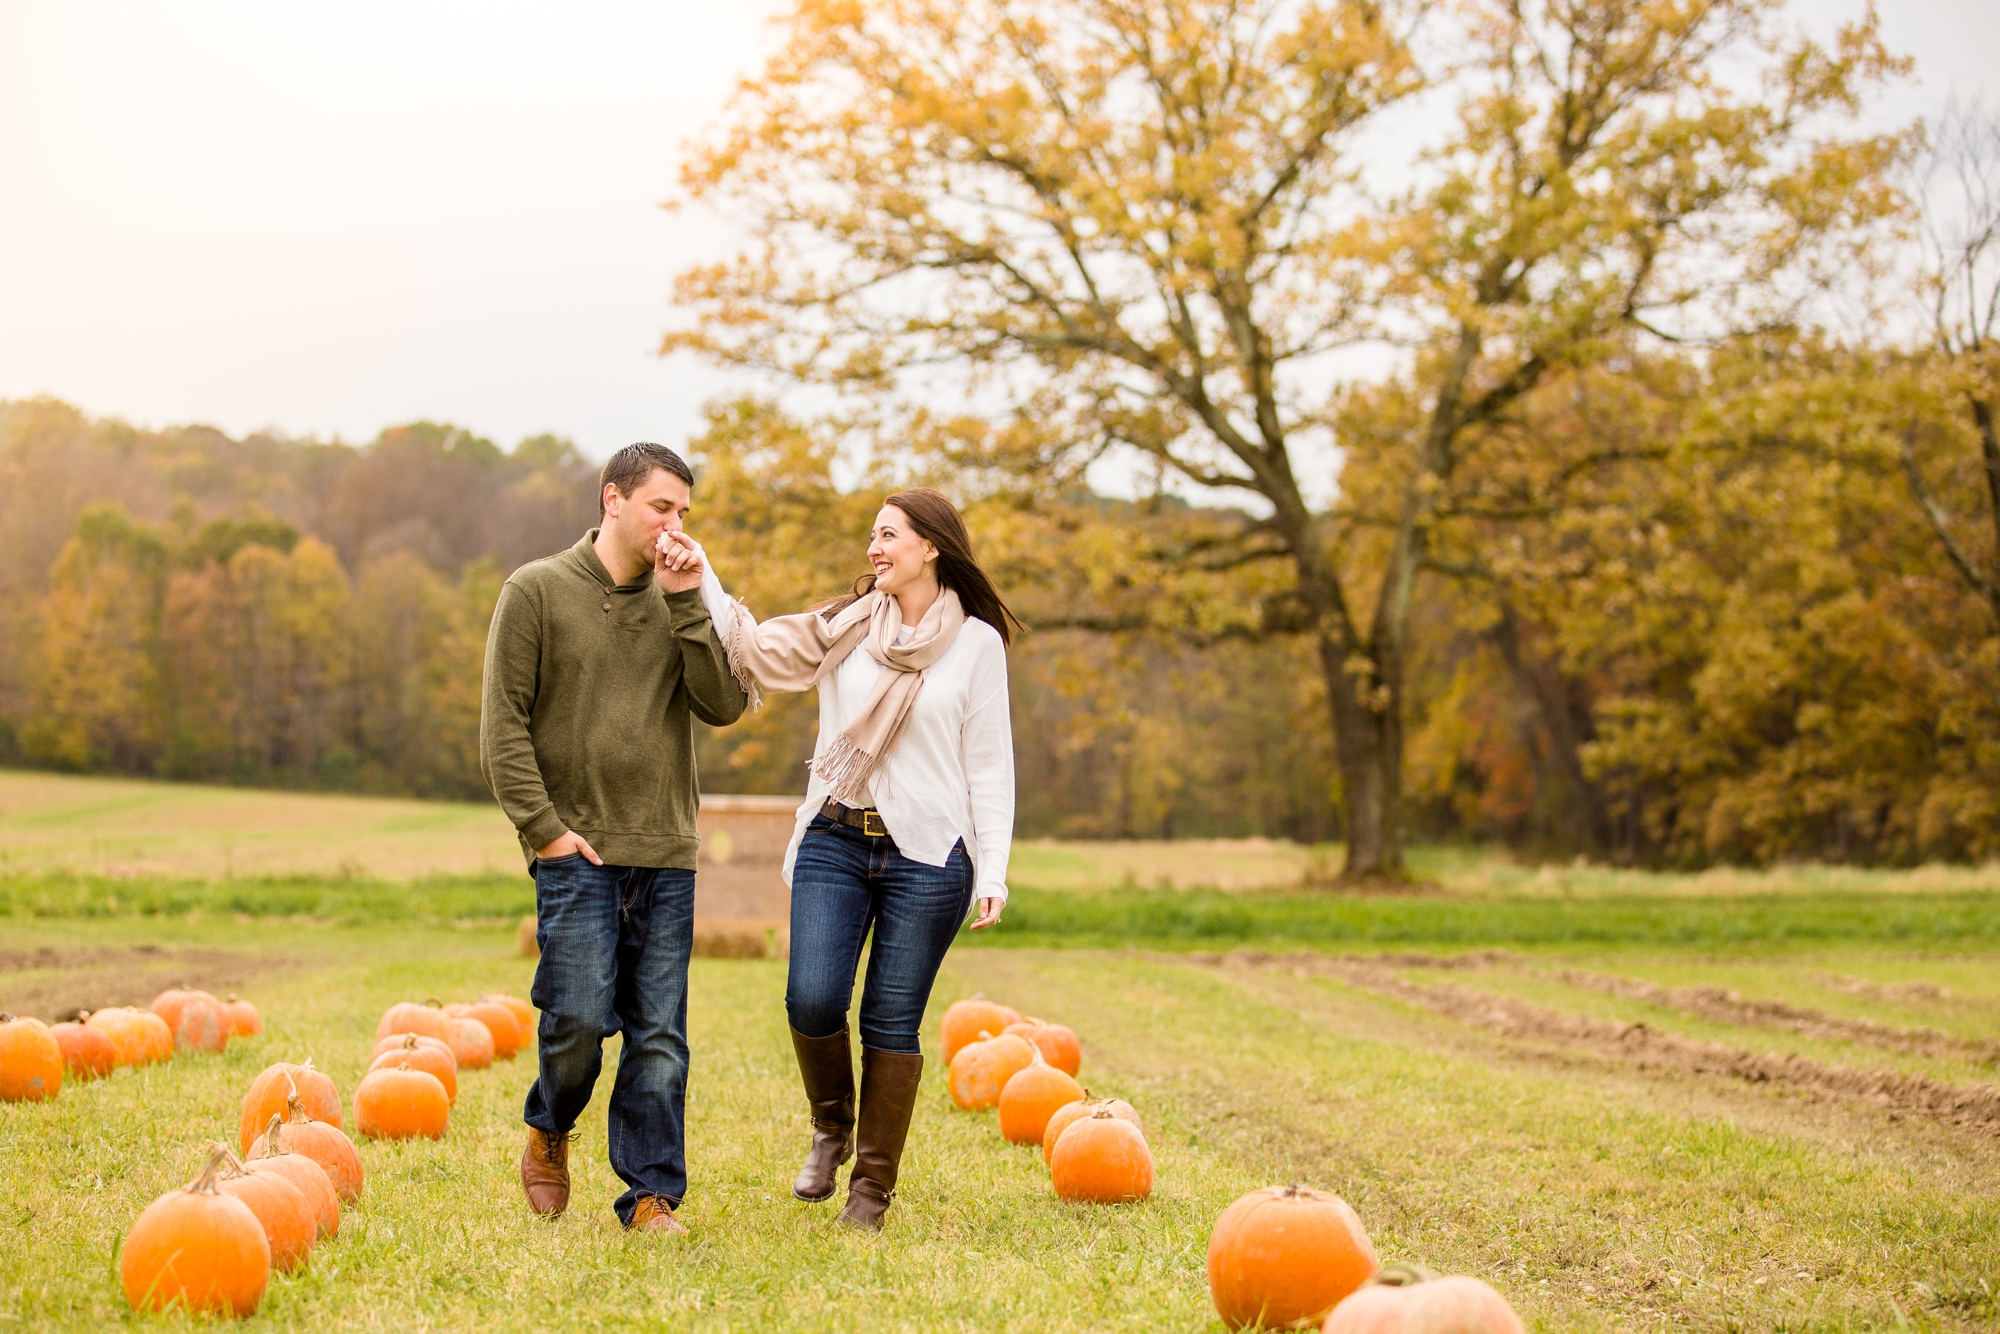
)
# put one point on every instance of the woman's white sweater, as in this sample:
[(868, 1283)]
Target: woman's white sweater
[(950, 775)]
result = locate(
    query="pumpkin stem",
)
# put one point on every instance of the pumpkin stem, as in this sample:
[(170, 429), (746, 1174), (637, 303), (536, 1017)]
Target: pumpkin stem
[(204, 1184), (273, 1145), (232, 1165), (6, 1018), (434, 1003), (295, 1111), (1402, 1275)]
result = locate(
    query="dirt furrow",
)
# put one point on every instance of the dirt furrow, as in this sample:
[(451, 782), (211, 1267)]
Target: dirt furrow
[(1732, 1007), (1975, 1107)]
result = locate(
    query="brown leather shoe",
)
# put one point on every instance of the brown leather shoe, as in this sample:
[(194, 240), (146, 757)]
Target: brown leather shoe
[(545, 1172), (654, 1214), (888, 1096), (827, 1067)]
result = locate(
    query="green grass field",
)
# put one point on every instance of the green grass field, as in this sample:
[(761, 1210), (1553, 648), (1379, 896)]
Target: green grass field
[(1629, 1103)]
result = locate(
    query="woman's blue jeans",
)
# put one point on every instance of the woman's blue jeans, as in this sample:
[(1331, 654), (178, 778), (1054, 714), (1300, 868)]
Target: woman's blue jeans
[(615, 944), (845, 882)]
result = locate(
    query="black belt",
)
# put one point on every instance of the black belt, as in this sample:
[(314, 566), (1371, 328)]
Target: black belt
[(867, 819)]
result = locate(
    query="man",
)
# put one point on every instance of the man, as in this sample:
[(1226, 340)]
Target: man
[(595, 662)]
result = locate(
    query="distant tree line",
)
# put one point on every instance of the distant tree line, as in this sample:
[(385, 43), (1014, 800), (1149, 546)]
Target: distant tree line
[(1743, 641)]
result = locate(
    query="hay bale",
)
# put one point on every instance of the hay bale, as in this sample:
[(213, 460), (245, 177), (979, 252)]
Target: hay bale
[(741, 938), (529, 947)]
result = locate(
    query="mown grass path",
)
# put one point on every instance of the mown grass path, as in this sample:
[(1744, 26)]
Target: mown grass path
[(1595, 1196)]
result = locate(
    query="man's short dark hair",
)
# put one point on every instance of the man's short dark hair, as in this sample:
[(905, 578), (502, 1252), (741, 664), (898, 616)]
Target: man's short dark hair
[(634, 464)]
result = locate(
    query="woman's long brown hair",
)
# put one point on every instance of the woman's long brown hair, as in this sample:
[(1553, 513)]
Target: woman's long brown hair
[(938, 522)]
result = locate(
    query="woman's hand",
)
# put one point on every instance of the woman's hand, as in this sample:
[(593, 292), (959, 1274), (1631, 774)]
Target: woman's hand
[(989, 913), (677, 562)]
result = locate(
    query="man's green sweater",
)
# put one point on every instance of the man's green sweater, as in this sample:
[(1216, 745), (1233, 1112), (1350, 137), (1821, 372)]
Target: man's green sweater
[(584, 719)]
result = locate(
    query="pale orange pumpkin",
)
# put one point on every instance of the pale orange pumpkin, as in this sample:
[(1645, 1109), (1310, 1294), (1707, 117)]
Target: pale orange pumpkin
[(1068, 1112), (274, 1154), (426, 1054), (524, 1014), (31, 1060), (1283, 1256), (198, 1249), (472, 1045), (1057, 1043), (501, 1022), (965, 1021), (1102, 1159), (194, 1018), (1407, 1299), (242, 1018), (410, 1018), (1031, 1097), (287, 1217), (401, 1103), (138, 1037), (398, 1041), (981, 1070), (87, 1053), (326, 1145), (274, 1088)]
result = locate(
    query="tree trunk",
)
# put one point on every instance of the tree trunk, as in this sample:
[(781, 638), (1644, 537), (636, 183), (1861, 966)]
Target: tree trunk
[(1368, 743), (1567, 728)]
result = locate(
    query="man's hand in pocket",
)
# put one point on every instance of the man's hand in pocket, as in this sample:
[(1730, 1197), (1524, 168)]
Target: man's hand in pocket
[(567, 844)]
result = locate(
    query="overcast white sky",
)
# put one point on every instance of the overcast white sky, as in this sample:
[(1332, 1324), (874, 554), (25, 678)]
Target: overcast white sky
[(328, 219)]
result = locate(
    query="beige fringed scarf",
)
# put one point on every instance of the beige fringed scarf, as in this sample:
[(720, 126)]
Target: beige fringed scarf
[(796, 652)]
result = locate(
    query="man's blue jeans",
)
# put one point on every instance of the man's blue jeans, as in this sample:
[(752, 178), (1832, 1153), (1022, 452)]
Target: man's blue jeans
[(615, 943), (843, 883)]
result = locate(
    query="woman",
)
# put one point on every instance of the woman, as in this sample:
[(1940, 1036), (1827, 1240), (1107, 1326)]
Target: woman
[(908, 817)]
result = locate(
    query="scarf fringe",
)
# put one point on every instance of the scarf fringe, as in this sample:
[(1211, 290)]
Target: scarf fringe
[(732, 648), (845, 767)]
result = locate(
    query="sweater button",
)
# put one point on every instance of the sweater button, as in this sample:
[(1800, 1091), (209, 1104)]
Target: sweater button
[(607, 606)]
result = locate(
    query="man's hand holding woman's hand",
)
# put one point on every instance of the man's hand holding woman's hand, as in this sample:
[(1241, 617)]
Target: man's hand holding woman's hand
[(989, 913), (677, 563), (569, 843)]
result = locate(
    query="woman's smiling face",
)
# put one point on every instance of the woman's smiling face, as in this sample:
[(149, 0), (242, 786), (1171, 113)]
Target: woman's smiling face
[(902, 560)]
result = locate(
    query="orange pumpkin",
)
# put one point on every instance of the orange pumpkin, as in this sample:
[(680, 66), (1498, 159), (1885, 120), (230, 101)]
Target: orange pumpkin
[(31, 1060), (1102, 1159), (398, 1041), (282, 1210), (1057, 1042), (194, 1018), (981, 1070), (136, 1035), (198, 1249), (272, 1090), (326, 1145), (86, 1051), (1283, 1256), (409, 1018), (1076, 1111), (473, 1045), (967, 1020), (274, 1154), (502, 1024), (1031, 1097), (1406, 1299), (242, 1018), (401, 1103), (426, 1054), (524, 1014)]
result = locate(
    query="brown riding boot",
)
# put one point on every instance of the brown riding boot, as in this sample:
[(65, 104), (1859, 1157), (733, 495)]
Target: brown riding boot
[(827, 1066), (654, 1214), (889, 1082), (545, 1172)]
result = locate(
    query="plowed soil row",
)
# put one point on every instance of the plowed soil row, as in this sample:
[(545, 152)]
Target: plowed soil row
[(1974, 1107), (1727, 1006)]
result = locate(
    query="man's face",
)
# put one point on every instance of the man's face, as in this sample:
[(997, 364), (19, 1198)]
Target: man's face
[(656, 505)]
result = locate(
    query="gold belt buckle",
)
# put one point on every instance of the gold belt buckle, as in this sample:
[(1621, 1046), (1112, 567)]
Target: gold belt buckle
[(871, 824)]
